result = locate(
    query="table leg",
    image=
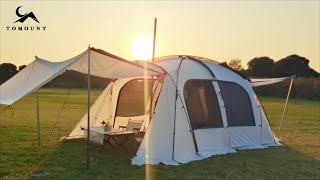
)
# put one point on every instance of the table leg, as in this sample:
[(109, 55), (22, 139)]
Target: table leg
[(121, 144), (106, 141)]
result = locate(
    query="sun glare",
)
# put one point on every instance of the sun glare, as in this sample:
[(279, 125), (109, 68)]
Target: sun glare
[(142, 48)]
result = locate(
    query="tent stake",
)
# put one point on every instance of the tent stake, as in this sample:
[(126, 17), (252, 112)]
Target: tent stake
[(88, 125), (38, 118), (285, 107)]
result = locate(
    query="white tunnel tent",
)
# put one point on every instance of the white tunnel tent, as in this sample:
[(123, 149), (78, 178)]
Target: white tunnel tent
[(199, 108)]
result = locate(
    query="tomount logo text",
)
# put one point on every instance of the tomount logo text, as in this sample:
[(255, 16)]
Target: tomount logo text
[(22, 19)]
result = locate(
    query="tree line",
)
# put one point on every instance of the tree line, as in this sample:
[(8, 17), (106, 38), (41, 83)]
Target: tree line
[(265, 67), (7, 70), (306, 85), (69, 79)]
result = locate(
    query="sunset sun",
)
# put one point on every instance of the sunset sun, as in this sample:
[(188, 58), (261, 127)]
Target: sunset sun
[(142, 48)]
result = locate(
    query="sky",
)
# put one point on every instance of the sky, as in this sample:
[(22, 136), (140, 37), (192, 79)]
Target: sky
[(219, 30)]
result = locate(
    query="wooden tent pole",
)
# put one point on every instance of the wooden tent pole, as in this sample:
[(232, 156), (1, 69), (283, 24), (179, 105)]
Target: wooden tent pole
[(38, 114), (88, 122), (153, 54), (38, 118), (154, 38), (285, 107)]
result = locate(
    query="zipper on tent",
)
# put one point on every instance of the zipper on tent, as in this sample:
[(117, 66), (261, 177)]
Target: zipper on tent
[(227, 128), (175, 114)]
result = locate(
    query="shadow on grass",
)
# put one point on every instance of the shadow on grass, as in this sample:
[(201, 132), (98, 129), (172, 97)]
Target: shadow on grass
[(69, 162)]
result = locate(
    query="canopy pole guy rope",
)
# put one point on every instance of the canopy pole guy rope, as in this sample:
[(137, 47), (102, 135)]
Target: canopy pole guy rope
[(88, 124), (38, 118), (285, 107)]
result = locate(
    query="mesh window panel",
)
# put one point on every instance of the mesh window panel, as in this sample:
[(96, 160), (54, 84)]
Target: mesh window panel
[(132, 100), (237, 104), (202, 104)]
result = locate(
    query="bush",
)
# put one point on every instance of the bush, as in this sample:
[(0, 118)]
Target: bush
[(316, 89)]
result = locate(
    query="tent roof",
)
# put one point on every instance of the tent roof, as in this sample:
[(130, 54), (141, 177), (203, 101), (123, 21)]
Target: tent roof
[(140, 64), (40, 71), (191, 56)]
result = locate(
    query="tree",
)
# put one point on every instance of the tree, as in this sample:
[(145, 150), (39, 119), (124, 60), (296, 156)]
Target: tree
[(313, 73), (7, 70), (236, 64), (242, 72), (224, 64), (260, 67), (22, 67), (294, 65)]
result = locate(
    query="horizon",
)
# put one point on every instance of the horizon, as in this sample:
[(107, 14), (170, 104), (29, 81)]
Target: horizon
[(217, 30)]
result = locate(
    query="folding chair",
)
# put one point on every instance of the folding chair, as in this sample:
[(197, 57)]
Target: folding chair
[(133, 125)]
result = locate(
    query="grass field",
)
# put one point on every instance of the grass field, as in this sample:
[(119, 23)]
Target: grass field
[(20, 156)]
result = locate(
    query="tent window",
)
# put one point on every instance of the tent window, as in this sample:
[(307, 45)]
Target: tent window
[(132, 96), (237, 104), (202, 104)]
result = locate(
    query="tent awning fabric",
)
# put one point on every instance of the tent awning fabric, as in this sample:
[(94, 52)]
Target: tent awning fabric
[(267, 81), (40, 71)]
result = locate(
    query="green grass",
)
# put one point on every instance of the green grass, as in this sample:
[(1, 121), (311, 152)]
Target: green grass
[(20, 156)]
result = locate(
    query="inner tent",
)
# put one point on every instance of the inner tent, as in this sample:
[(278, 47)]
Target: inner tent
[(122, 100)]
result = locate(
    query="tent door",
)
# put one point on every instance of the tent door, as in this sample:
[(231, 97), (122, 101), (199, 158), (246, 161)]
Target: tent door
[(207, 117), (134, 101)]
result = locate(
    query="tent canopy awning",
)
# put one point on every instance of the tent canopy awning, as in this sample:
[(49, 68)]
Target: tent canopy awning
[(40, 71), (267, 81)]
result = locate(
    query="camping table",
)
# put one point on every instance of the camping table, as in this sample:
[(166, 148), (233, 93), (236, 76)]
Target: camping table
[(113, 134)]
